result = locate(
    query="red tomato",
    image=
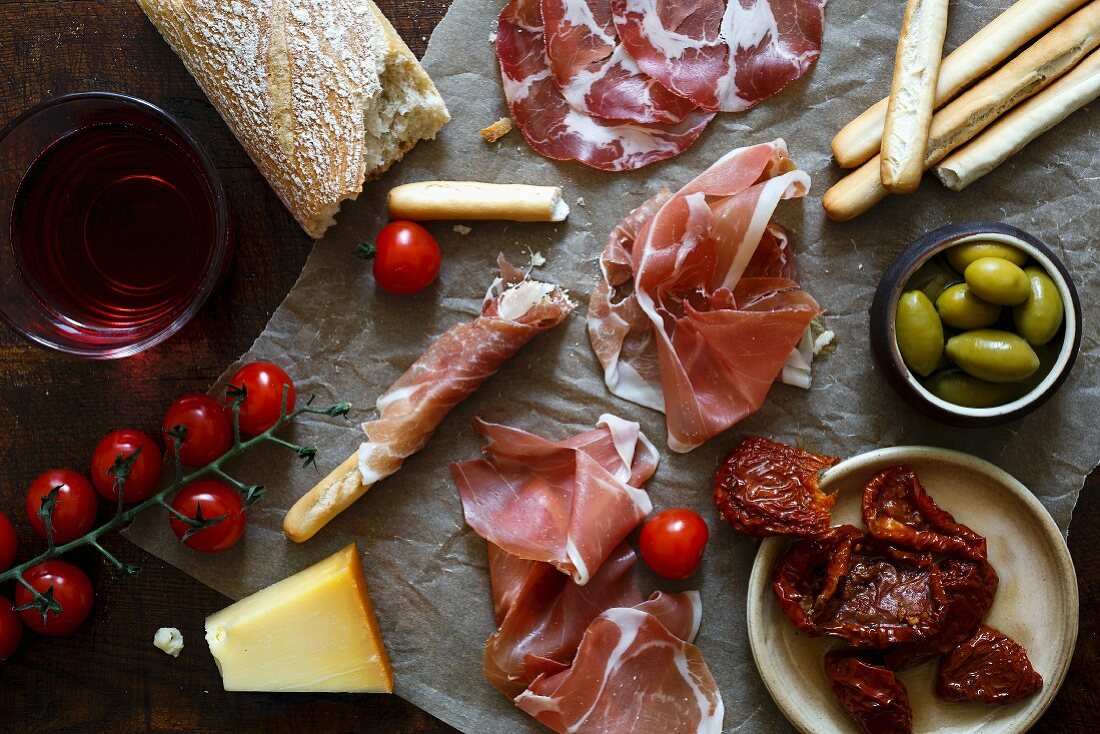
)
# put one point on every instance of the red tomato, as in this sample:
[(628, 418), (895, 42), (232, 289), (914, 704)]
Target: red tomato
[(71, 588), (406, 258), (73, 514), (208, 425), (672, 542), (263, 383), (215, 500), (144, 472), (9, 543), (11, 629)]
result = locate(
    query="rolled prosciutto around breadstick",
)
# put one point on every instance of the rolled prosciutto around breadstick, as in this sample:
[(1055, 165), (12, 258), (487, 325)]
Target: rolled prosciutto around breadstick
[(975, 109), (1023, 124), (912, 94), (515, 310), (859, 140)]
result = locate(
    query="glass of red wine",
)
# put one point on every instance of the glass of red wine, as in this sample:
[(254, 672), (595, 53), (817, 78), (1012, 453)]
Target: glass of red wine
[(113, 225)]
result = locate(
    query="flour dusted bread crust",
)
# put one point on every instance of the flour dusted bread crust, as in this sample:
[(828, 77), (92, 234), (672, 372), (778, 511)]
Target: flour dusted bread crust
[(323, 94)]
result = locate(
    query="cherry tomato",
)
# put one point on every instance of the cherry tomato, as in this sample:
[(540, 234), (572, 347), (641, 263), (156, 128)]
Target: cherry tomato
[(9, 543), (11, 629), (74, 512), (144, 472), (672, 542), (406, 258), (71, 588), (215, 500), (208, 425), (263, 383)]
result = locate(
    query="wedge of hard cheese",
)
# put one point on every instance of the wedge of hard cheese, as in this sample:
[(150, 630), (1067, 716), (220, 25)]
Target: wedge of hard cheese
[(313, 631)]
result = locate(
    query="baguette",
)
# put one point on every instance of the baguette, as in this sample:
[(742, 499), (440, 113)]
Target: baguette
[(323, 96), (913, 94), (860, 139), (430, 200), (1023, 124), (1035, 68)]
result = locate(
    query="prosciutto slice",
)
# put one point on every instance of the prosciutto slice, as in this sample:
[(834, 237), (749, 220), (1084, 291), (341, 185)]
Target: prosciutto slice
[(568, 503), (723, 55), (698, 312), (558, 131), (596, 74)]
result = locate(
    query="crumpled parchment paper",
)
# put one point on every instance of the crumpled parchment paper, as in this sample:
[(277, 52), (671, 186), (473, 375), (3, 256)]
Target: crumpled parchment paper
[(343, 339)]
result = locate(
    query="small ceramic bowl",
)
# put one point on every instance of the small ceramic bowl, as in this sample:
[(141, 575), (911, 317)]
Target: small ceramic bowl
[(884, 308)]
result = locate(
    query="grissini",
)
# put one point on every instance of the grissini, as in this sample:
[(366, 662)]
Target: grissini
[(859, 140), (912, 94), (322, 94), (1023, 124), (962, 119), (429, 200)]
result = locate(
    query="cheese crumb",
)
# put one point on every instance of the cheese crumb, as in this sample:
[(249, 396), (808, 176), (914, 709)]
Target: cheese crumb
[(170, 640), (462, 229), (823, 340), (537, 260), (580, 201)]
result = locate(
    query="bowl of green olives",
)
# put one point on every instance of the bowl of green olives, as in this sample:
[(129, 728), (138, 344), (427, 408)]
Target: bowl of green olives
[(976, 324)]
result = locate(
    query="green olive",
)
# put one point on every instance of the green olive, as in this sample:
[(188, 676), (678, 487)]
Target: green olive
[(959, 308), (960, 256), (1040, 316), (919, 332), (932, 278), (968, 391), (993, 355), (997, 281)]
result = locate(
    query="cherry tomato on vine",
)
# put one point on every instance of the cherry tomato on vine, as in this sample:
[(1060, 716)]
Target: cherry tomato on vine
[(9, 543), (263, 383), (672, 542), (74, 511), (214, 499), (144, 472), (71, 588), (11, 629), (208, 428), (406, 258)]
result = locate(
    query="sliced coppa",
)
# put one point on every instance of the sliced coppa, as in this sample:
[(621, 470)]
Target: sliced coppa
[(990, 667), (876, 700), (724, 55), (558, 131), (596, 74)]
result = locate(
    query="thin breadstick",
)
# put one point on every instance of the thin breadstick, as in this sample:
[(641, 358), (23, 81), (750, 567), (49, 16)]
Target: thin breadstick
[(912, 94), (860, 139), (1012, 132), (1035, 68), (430, 200)]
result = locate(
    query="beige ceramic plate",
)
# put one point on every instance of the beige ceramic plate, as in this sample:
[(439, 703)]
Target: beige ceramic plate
[(1036, 603)]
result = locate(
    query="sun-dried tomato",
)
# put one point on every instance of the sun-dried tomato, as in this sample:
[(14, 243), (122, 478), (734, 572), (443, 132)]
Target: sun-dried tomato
[(870, 694), (897, 510), (990, 667), (808, 574), (969, 587), (766, 488)]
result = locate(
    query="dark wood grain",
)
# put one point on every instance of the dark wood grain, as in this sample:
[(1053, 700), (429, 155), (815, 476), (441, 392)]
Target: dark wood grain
[(108, 677)]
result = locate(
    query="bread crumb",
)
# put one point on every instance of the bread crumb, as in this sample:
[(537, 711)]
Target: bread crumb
[(497, 130), (461, 229), (170, 640)]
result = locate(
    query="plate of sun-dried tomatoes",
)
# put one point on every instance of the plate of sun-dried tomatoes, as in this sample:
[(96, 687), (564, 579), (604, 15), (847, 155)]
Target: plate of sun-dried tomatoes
[(906, 589)]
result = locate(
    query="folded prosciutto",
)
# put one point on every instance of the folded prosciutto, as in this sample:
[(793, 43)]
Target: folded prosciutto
[(698, 311), (568, 503)]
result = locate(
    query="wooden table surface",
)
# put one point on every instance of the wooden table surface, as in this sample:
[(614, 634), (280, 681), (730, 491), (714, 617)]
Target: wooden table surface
[(108, 677)]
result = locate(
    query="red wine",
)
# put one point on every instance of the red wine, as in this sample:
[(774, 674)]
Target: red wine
[(114, 226)]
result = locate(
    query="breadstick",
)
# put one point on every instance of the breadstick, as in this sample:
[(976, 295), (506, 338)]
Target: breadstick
[(1035, 68), (474, 200), (912, 94), (1023, 124), (859, 140)]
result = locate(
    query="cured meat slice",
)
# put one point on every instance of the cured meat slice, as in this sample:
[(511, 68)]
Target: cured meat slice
[(724, 55), (542, 614), (717, 338), (596, 74), (558, 131), (876, 700), (631, 674), (568, 503), (990, 667)]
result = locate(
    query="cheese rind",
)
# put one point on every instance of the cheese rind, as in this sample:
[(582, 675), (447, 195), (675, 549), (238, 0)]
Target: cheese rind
[(313, 631)]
